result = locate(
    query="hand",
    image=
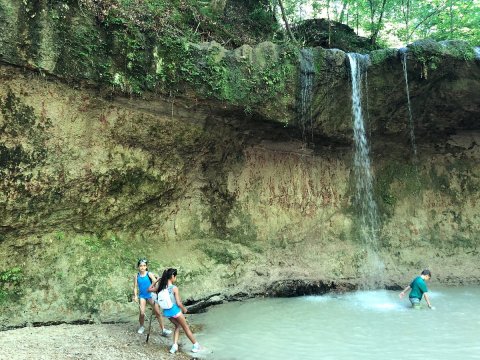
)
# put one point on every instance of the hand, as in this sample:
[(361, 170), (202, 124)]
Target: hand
[(184, 310), (135, 298), (402, 294)]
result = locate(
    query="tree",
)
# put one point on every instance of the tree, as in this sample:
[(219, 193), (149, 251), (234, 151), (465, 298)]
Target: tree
[(285, 20), (407, 20), (377, 10)]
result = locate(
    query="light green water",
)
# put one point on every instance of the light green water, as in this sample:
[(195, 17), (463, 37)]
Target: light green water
[(360, 325)]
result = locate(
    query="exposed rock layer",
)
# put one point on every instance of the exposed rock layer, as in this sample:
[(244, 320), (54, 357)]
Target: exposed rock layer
[(242, 203)]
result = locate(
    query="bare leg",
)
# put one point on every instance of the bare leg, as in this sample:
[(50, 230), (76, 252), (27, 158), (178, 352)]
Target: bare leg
[(141, 317), (158, 315), (176, 333), (180, 321)]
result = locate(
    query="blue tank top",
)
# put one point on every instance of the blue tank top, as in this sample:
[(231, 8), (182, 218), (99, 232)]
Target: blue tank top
[(144, 283)]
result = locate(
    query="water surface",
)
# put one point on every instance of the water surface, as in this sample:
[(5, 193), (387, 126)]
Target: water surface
[(359, 325)]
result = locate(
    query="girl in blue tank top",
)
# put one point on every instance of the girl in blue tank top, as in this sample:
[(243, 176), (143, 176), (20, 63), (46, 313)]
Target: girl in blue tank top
[(141, 282)]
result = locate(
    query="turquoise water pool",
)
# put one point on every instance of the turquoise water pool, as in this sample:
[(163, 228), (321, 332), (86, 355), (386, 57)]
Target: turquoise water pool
[(360, 325)]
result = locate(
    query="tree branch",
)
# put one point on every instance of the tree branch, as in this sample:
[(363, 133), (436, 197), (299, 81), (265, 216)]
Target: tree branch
[(287, 26), (426, 18)]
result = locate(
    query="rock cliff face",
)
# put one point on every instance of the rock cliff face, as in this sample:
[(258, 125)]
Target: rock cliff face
[(221, 180)]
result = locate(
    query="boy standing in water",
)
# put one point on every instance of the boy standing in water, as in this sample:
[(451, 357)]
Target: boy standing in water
[(142, 281), (419, 289)]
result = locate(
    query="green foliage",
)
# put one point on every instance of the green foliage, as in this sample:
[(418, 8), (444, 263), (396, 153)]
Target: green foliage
[(10, 283), (219, 255), (132, 45), (210, 72), (407, 20), (451, 19), (261, 22), (458, 172), (27, 131), (93, 259), (80, 47), (379, 56), (430, 53), (135, 46), (222, 252), (245, 232), (394, 182)]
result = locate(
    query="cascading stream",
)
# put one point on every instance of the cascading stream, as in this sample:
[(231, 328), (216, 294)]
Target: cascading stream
[(307, 74), (410, 117), (411, 125), (369, 224)]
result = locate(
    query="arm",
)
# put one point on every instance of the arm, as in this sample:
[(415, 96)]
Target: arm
[(152, 277), (154, 280), (427, 299), (135, 287), (179, 301), (402, 294)]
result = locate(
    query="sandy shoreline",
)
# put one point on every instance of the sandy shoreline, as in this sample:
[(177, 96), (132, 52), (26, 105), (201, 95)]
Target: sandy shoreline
[(99, 341)]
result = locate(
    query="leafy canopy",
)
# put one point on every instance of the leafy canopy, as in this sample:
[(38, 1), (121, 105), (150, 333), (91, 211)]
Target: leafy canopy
[(395, 22)]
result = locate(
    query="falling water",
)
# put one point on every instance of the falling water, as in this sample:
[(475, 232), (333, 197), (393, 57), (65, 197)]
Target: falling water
[(477, 52), (410, 117), (372, 268), (416, 193), (363, 173), (307, 74)]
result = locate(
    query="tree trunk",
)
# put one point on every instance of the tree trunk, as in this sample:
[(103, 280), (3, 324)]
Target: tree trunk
[(343, 11), (356, 16), (406, 17), (373, 39), (451, 18), (284, 17), (329, 24)]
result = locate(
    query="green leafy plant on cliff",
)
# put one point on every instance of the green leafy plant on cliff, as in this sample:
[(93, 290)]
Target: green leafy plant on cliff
[(379, 56), (394, 182), (212, 73), (92, 259), (130, 34), (24, 146), (430, 53), (10, 283)]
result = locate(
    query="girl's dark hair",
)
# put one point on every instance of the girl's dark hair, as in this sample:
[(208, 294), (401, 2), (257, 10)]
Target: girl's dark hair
[(142, 260), (167, 274)]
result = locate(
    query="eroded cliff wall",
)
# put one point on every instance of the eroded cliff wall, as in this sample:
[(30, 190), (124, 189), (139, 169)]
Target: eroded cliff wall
[(225, 183)]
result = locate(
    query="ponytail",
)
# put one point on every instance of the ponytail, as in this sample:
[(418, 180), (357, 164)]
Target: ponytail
[(167, 274)]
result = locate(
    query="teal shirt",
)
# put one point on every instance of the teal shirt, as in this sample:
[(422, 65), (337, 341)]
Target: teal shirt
[(419, 287)]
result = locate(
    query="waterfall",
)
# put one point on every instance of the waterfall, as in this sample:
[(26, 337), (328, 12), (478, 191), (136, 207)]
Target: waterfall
[(369, 224), (477, 52), (363, 173), (410, 117), (307, 74), (416, 193)]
